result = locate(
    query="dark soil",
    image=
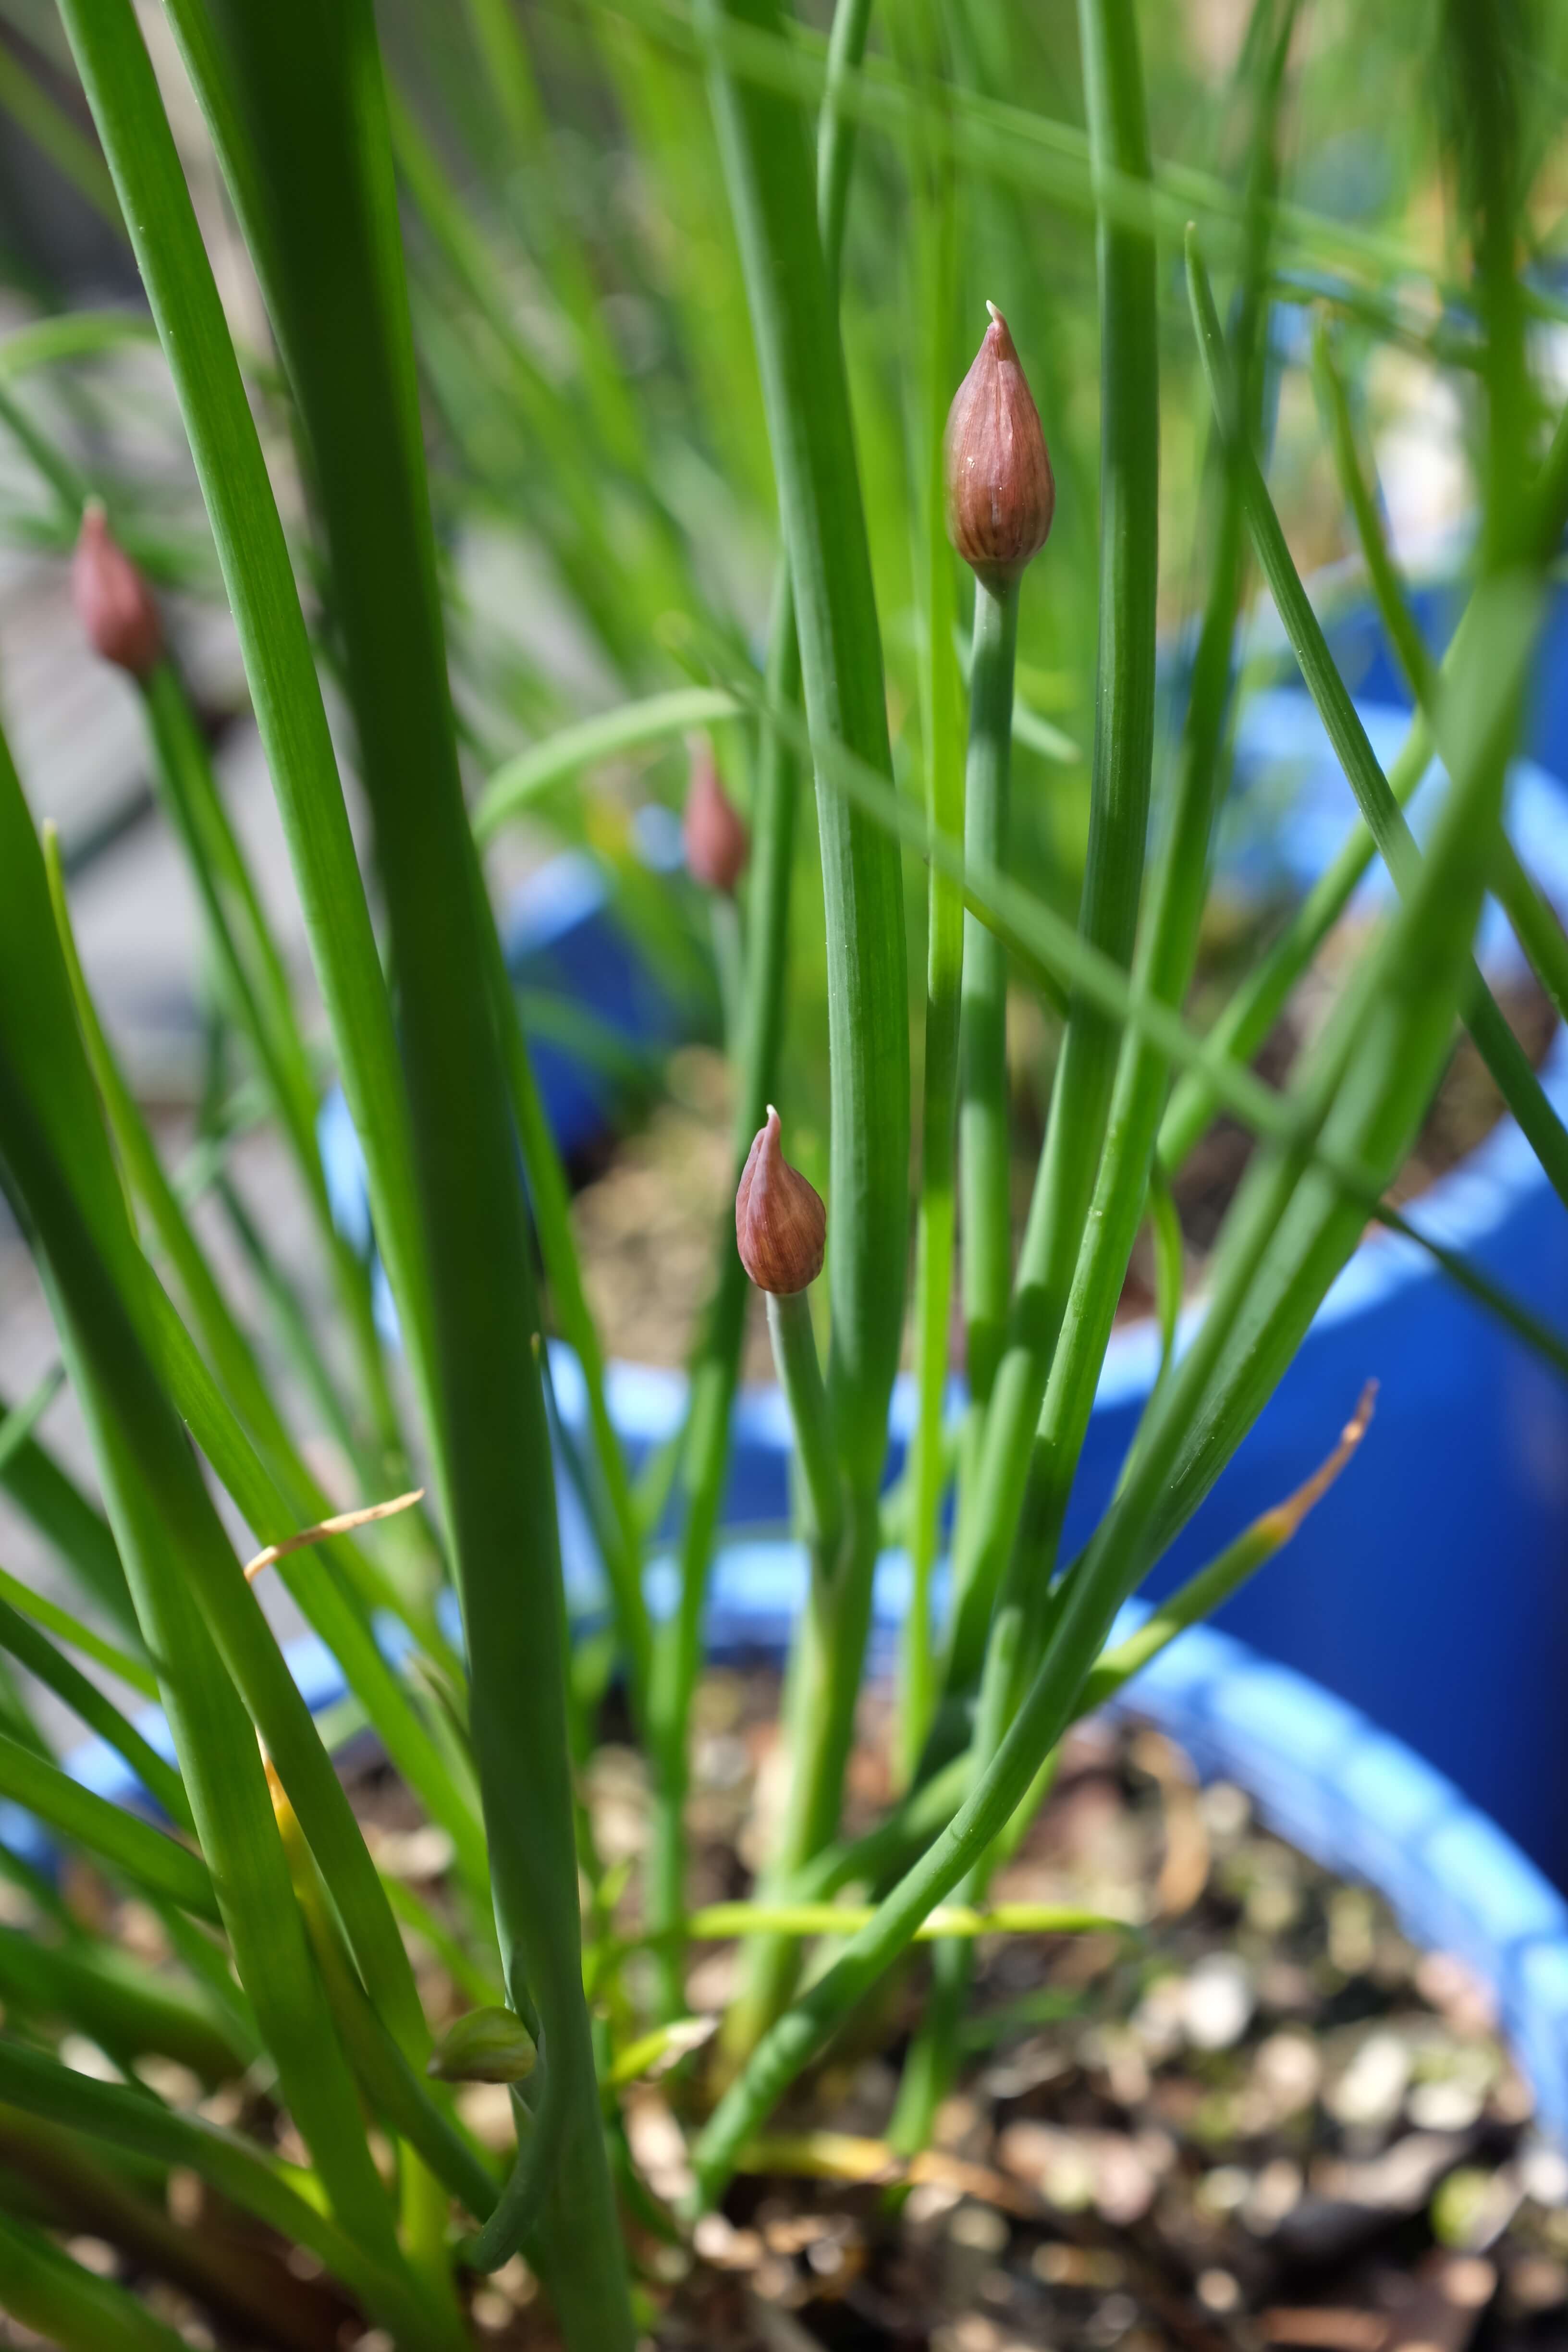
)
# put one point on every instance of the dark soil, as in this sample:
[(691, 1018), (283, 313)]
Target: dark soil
[(1255, 2118), (1262, 2120)]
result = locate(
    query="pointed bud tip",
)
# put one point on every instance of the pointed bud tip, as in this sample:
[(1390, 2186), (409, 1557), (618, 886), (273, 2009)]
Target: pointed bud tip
[(1001, 494), (113, 603), (780, 1224), (713, 830)]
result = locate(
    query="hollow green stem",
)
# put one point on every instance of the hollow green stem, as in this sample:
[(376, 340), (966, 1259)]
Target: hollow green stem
[(792, 294), (552, 1216), (755, 1051), (260, 1002), (1119, 812), (800, 1377), (715, 1372), (312, 95), (823, 1682), (1167, 952), (935, 292), (983, 1155)]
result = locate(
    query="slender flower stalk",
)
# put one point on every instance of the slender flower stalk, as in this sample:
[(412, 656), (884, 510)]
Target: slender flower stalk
[(1000, 498), (1119, 814), (792, 290), (781, 1228), (754, 1042), (934, 285), (1167, 948)]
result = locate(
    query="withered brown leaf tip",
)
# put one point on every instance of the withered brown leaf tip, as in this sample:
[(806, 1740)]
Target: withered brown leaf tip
[(780, 1224), (713, 831), (1001, 494), (112, 600)]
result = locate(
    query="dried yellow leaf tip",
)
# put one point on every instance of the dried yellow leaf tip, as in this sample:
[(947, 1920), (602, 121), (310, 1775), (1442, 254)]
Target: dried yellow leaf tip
[(112, 600), (1001, 494), (780, 1224), (713, 831)]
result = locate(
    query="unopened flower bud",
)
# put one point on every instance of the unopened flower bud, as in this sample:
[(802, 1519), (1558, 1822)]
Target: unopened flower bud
[(112, 600), (487, 2045), (713, 830), (1000, 492), (780, 1225)]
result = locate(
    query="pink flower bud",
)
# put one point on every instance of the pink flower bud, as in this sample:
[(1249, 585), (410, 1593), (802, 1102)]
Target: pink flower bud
[(1000, 492), (112, 600), (780, 1225), (712, 829)]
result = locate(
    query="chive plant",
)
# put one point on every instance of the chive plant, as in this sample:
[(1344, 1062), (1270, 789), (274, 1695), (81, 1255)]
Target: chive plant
[(284, 1948)]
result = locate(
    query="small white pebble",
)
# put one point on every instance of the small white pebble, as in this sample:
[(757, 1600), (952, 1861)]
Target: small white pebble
[(1227, 1810), (1288, 2071), (1217, 2003), (1544, 2174), (979, 2227), (1371, 2089), (1446, 2107), (1275, 2192), (94, 2254), (85, 2057), (1224, 2189), (1218, 2292)]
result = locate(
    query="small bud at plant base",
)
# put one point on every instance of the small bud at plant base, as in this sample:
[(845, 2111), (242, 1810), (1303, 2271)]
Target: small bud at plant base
[(112, 600), (713, 830), (1000, 492), (487, 2045), (780, 1225)]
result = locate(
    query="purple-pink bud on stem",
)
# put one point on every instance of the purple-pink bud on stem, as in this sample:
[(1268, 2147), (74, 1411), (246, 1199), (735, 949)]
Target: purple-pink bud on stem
[(780, 1224), (713, 830), (1001, 494), (112, 600)]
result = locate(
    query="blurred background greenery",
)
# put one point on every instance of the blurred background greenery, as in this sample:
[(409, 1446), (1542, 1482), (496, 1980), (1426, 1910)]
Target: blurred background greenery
[(599, 458)]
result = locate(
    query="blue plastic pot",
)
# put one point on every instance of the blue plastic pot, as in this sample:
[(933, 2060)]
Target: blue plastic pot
[(1370, 668)]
